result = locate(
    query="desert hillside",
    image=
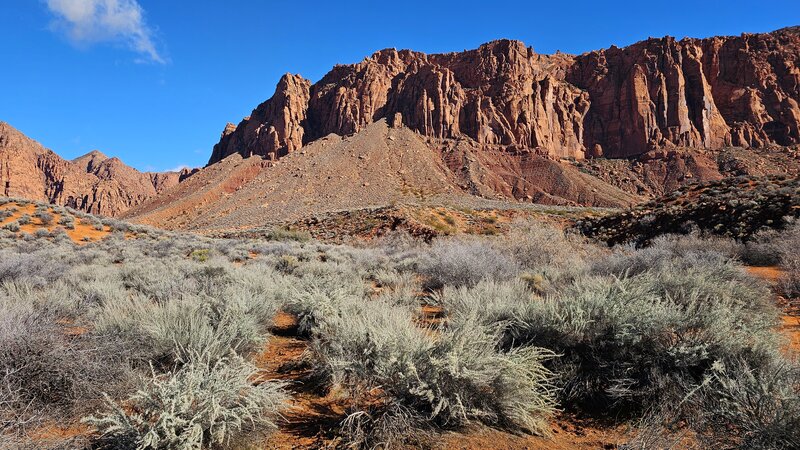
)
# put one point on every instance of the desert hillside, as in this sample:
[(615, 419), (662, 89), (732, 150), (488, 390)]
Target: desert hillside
[(93, 182), (375, 167)]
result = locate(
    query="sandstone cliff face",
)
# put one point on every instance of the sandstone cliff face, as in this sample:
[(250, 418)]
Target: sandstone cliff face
[(707, 93), (658, 93), (93, 182)]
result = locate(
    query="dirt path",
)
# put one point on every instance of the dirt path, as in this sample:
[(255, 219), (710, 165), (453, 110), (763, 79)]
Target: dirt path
[(790, 320), (312, 414)]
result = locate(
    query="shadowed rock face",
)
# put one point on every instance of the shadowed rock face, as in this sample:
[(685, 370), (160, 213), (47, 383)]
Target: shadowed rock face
[(706, 93), (93, 182)]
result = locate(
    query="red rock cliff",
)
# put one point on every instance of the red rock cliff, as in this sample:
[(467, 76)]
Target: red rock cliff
[(657, 93), (93, 182)]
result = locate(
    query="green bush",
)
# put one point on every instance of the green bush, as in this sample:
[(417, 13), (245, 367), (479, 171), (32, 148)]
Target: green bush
[(284, 234)]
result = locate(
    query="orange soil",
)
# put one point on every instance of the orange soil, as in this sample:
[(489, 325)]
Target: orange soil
[(79, 235), (790, 322), (790, 327), (568, 433), (770, 273), (53, 432), (311, 416)]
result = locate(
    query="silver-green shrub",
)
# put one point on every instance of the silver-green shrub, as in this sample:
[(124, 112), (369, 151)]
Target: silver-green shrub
[(748, 408), (205, 404), (427, 380), (465, 262)]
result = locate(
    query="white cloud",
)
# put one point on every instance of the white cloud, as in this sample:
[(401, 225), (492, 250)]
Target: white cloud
[(179, 168), (90, 21)]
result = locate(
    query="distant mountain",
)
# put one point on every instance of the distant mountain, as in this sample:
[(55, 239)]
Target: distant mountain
[(93, 182)]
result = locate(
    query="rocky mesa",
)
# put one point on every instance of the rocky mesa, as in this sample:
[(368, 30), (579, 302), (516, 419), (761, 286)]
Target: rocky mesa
[(619, 102), (93, 182)]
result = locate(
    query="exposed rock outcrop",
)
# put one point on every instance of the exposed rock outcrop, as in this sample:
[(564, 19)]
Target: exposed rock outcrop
[(93, 182), (619, 102)]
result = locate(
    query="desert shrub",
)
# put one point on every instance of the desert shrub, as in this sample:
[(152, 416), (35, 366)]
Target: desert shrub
[(398, 288), (285, 234), (456, 262), (42, 233), (24, 219), (160, 279), (271, 248), (199, 255), (117, 225), (786, 245), (683, 250), (60, 236), (204, 404), (96, 287), (36, 268), (749, 408), (790, 282), (45, 217), (12, 226), (489, 302), (67, 221), (634, 342), (700, 243), (169, 332), (540, 246), (43, 370), (235, 250), (427, 381), (315, 299)]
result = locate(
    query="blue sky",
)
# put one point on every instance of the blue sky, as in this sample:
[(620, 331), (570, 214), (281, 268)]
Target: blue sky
[(154, 82)]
